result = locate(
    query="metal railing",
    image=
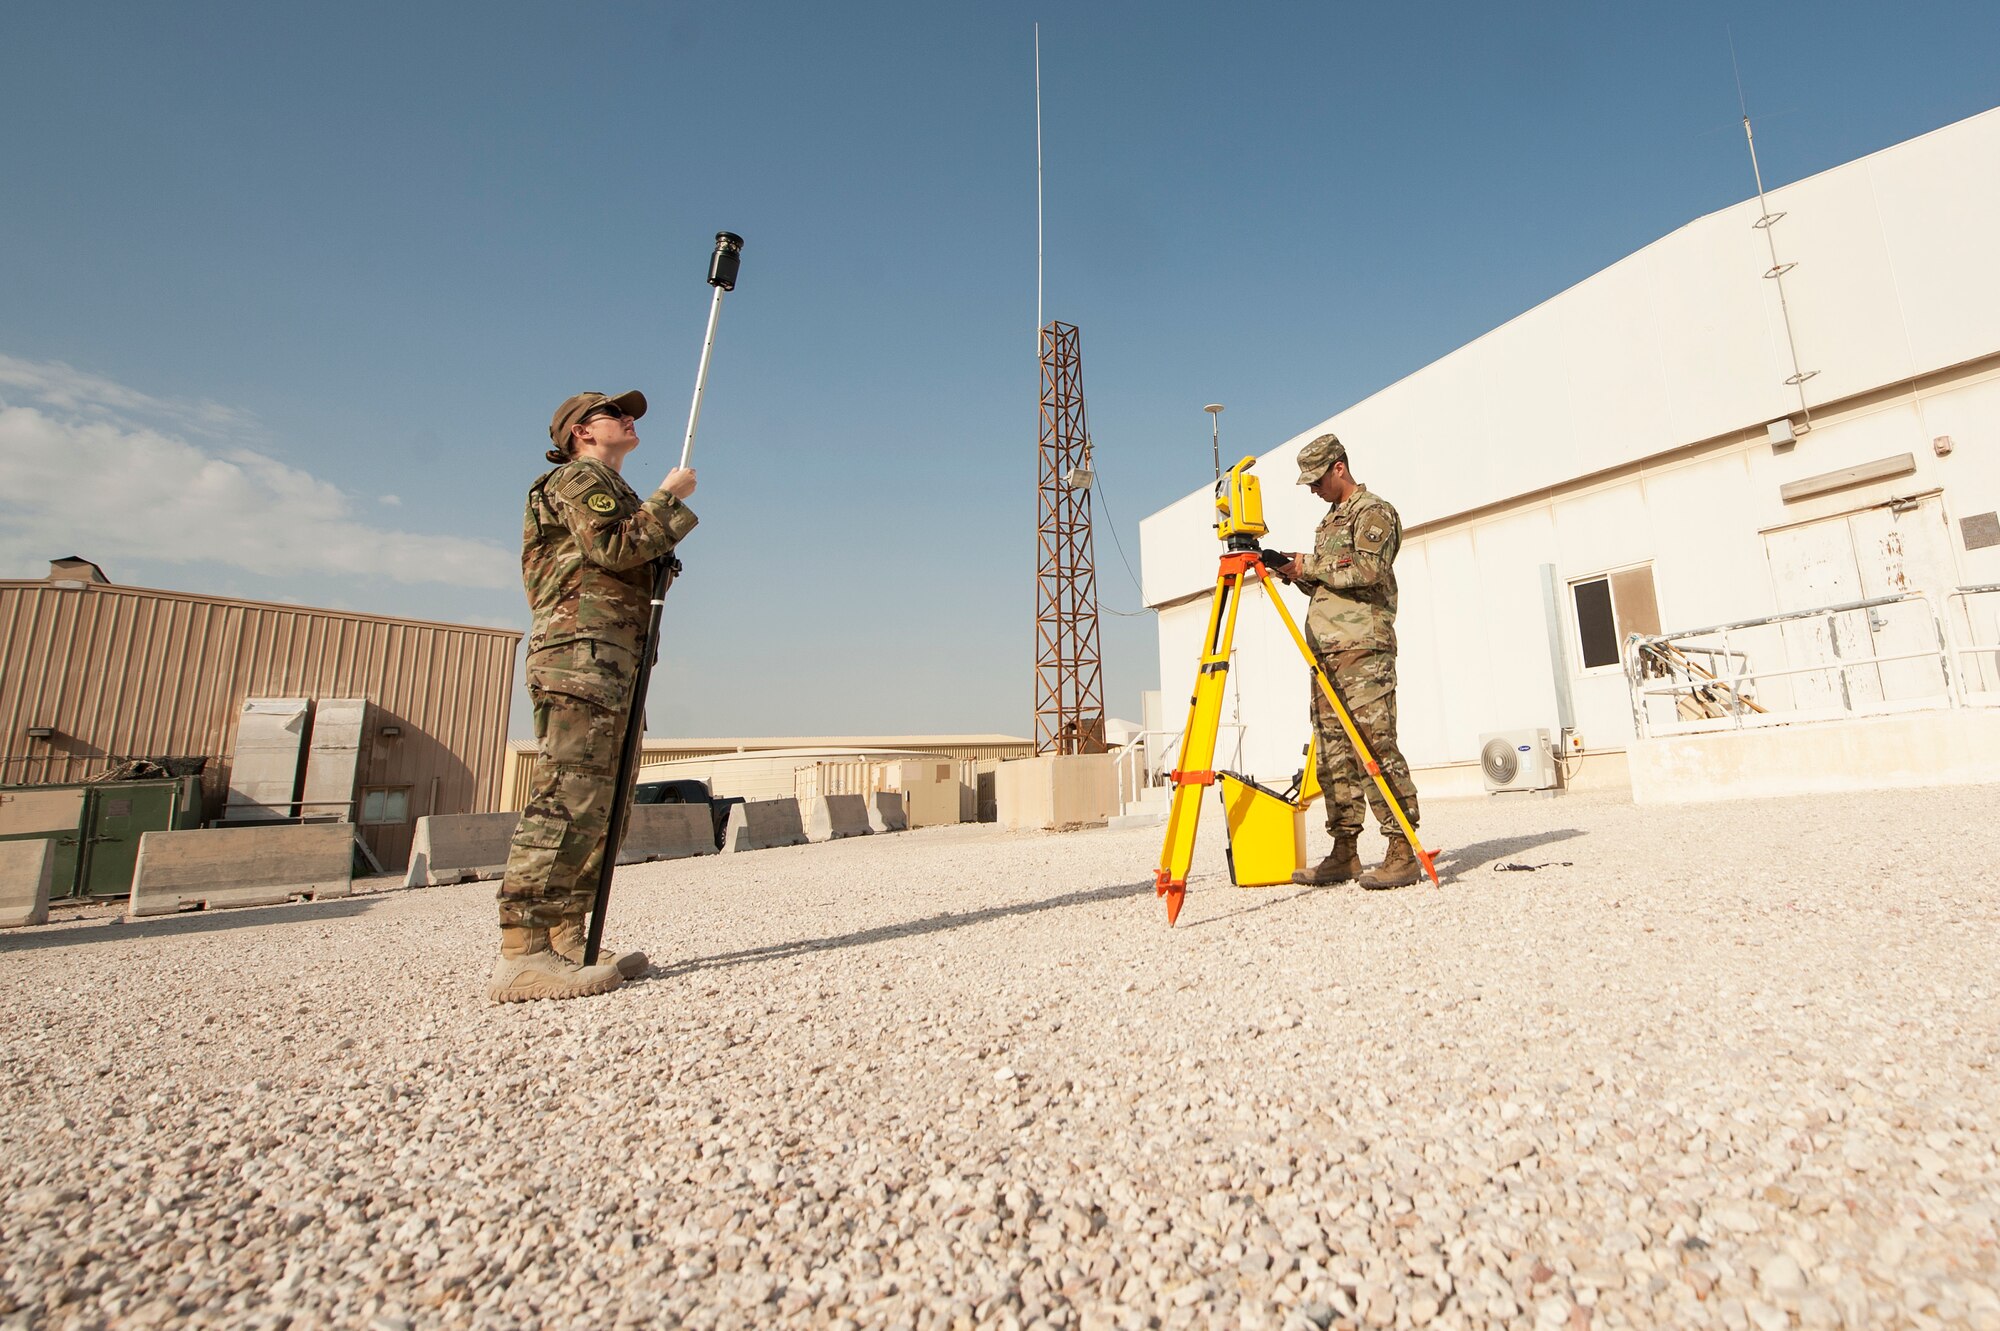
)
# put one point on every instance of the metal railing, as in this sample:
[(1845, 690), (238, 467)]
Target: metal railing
[(1975, 652), (1139, 770), (1707, 679)]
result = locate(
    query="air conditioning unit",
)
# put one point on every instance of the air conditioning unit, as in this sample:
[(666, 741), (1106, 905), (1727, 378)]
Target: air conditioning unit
[(1517, 760)]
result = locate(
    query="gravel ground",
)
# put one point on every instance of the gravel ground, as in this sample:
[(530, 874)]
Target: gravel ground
[(1733, 1066)]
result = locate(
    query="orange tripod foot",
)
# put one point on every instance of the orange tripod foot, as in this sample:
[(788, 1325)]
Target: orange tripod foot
[(1428, 858), (1175, 894)]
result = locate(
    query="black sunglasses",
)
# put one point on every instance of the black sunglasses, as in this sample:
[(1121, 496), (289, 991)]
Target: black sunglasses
[(617, 412)]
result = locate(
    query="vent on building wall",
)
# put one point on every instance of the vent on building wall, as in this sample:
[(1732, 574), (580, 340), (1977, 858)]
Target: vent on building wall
[(1517, 760)]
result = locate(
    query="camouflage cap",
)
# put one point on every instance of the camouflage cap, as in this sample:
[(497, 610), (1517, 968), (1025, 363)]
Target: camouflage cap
[(1316, 459), (574, 409)]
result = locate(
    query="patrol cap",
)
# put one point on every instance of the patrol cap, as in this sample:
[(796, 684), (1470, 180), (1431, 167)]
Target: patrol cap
[(1316, 459), (574, 409)]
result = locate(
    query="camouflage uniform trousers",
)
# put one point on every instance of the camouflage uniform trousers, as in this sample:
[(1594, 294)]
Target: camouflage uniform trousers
[(1366, 680), (582, 693)]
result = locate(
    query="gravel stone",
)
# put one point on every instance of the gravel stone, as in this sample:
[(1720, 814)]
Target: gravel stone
[(1732, 1067)]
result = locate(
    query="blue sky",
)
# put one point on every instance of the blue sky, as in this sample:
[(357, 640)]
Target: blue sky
[(288, 293)]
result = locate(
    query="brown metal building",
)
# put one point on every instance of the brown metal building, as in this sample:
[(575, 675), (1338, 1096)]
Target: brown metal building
[(92, 673)]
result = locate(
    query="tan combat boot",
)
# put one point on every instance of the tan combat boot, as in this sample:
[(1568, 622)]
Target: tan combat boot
[(529, 968), (1398, 868), (569, 937), (1341, 865)]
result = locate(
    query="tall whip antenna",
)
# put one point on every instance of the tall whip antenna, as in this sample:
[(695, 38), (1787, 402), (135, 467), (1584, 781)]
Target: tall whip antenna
[(1765, 221), (1038, 186)]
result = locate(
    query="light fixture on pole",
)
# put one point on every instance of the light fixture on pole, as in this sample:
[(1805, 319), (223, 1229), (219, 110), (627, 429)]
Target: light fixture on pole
[(1082, 475)]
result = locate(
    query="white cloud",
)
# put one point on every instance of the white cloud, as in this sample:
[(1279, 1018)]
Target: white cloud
[(393, 501), (68, 391), (83, 471)]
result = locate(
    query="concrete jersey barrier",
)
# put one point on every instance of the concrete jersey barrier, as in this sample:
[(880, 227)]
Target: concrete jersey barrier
[(460, 848), (27, 868), (830, 817), (667, 832), (761, 824), (211, 868), (886, 812)]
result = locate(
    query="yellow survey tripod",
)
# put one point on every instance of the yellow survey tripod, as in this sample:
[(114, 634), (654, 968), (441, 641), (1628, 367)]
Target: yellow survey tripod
[(1267, 841)]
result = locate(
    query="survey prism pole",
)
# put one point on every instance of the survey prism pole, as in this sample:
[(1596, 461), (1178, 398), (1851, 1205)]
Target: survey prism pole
[(722, 276), (722, 267)]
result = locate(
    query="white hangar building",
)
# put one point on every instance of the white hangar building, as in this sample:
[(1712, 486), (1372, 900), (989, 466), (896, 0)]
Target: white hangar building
[(1689, 449)]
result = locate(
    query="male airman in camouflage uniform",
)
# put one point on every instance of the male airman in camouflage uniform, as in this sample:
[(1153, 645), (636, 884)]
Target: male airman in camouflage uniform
[(588, 545), (1351, 626)]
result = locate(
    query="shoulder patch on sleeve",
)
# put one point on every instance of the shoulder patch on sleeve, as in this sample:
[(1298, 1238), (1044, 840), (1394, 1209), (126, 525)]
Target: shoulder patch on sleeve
[(601, 502), (1371, 533), (573, 480)]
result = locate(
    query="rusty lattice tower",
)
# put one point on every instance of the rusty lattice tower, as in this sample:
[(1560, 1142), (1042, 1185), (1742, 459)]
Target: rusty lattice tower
[(1069, 690)]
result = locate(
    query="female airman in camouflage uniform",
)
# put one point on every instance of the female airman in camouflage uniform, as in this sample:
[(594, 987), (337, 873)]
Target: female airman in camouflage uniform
[(588, 545)]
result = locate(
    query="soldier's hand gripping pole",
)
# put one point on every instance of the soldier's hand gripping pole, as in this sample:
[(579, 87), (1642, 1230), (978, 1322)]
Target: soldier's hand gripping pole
[(722, 267)]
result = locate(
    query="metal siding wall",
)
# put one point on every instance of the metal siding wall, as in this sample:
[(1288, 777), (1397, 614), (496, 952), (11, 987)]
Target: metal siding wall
[(130, 671)]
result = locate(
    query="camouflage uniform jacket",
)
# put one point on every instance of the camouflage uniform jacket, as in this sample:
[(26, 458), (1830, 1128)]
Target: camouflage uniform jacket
[(1350, 576), (587, 546)]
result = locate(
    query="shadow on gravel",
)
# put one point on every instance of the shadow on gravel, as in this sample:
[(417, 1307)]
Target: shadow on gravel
[(1456, 860), (910, 929), (116, 930), (1451, 862), (1264, 901)]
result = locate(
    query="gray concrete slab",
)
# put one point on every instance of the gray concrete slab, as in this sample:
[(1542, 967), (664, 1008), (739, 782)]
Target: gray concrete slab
[(459, 848), (210, 868), (26, 870), (886, 812), (761, 824), (667, 832), (831, 817)]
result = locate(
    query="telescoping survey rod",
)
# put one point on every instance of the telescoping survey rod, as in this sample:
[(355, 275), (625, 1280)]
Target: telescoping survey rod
[(722, 267)]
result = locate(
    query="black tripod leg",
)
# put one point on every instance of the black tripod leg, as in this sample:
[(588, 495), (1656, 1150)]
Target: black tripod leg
[(628, 761)]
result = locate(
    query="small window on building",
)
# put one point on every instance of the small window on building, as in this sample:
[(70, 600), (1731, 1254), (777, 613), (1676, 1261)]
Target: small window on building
[(1611, 608), (385, 804)]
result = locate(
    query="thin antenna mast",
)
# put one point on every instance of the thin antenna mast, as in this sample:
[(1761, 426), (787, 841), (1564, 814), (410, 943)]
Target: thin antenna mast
[(1038, 186), (1765, 221), (1069, 686)]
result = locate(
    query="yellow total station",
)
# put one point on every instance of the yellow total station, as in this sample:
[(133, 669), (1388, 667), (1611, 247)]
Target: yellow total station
[(1239, 504)]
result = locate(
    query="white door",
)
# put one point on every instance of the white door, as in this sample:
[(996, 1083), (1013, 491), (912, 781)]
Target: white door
[(1906, 548), (1814, 566)]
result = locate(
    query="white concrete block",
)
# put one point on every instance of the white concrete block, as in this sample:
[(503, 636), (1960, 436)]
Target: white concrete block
[(210, 868), (1941, 748), (830, 817), (26, 870), (761, 824), (667, 832), (886, 812), (460, 848), (1057, 791)]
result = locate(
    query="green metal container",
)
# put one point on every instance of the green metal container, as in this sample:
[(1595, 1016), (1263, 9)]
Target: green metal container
[(96, 828)]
